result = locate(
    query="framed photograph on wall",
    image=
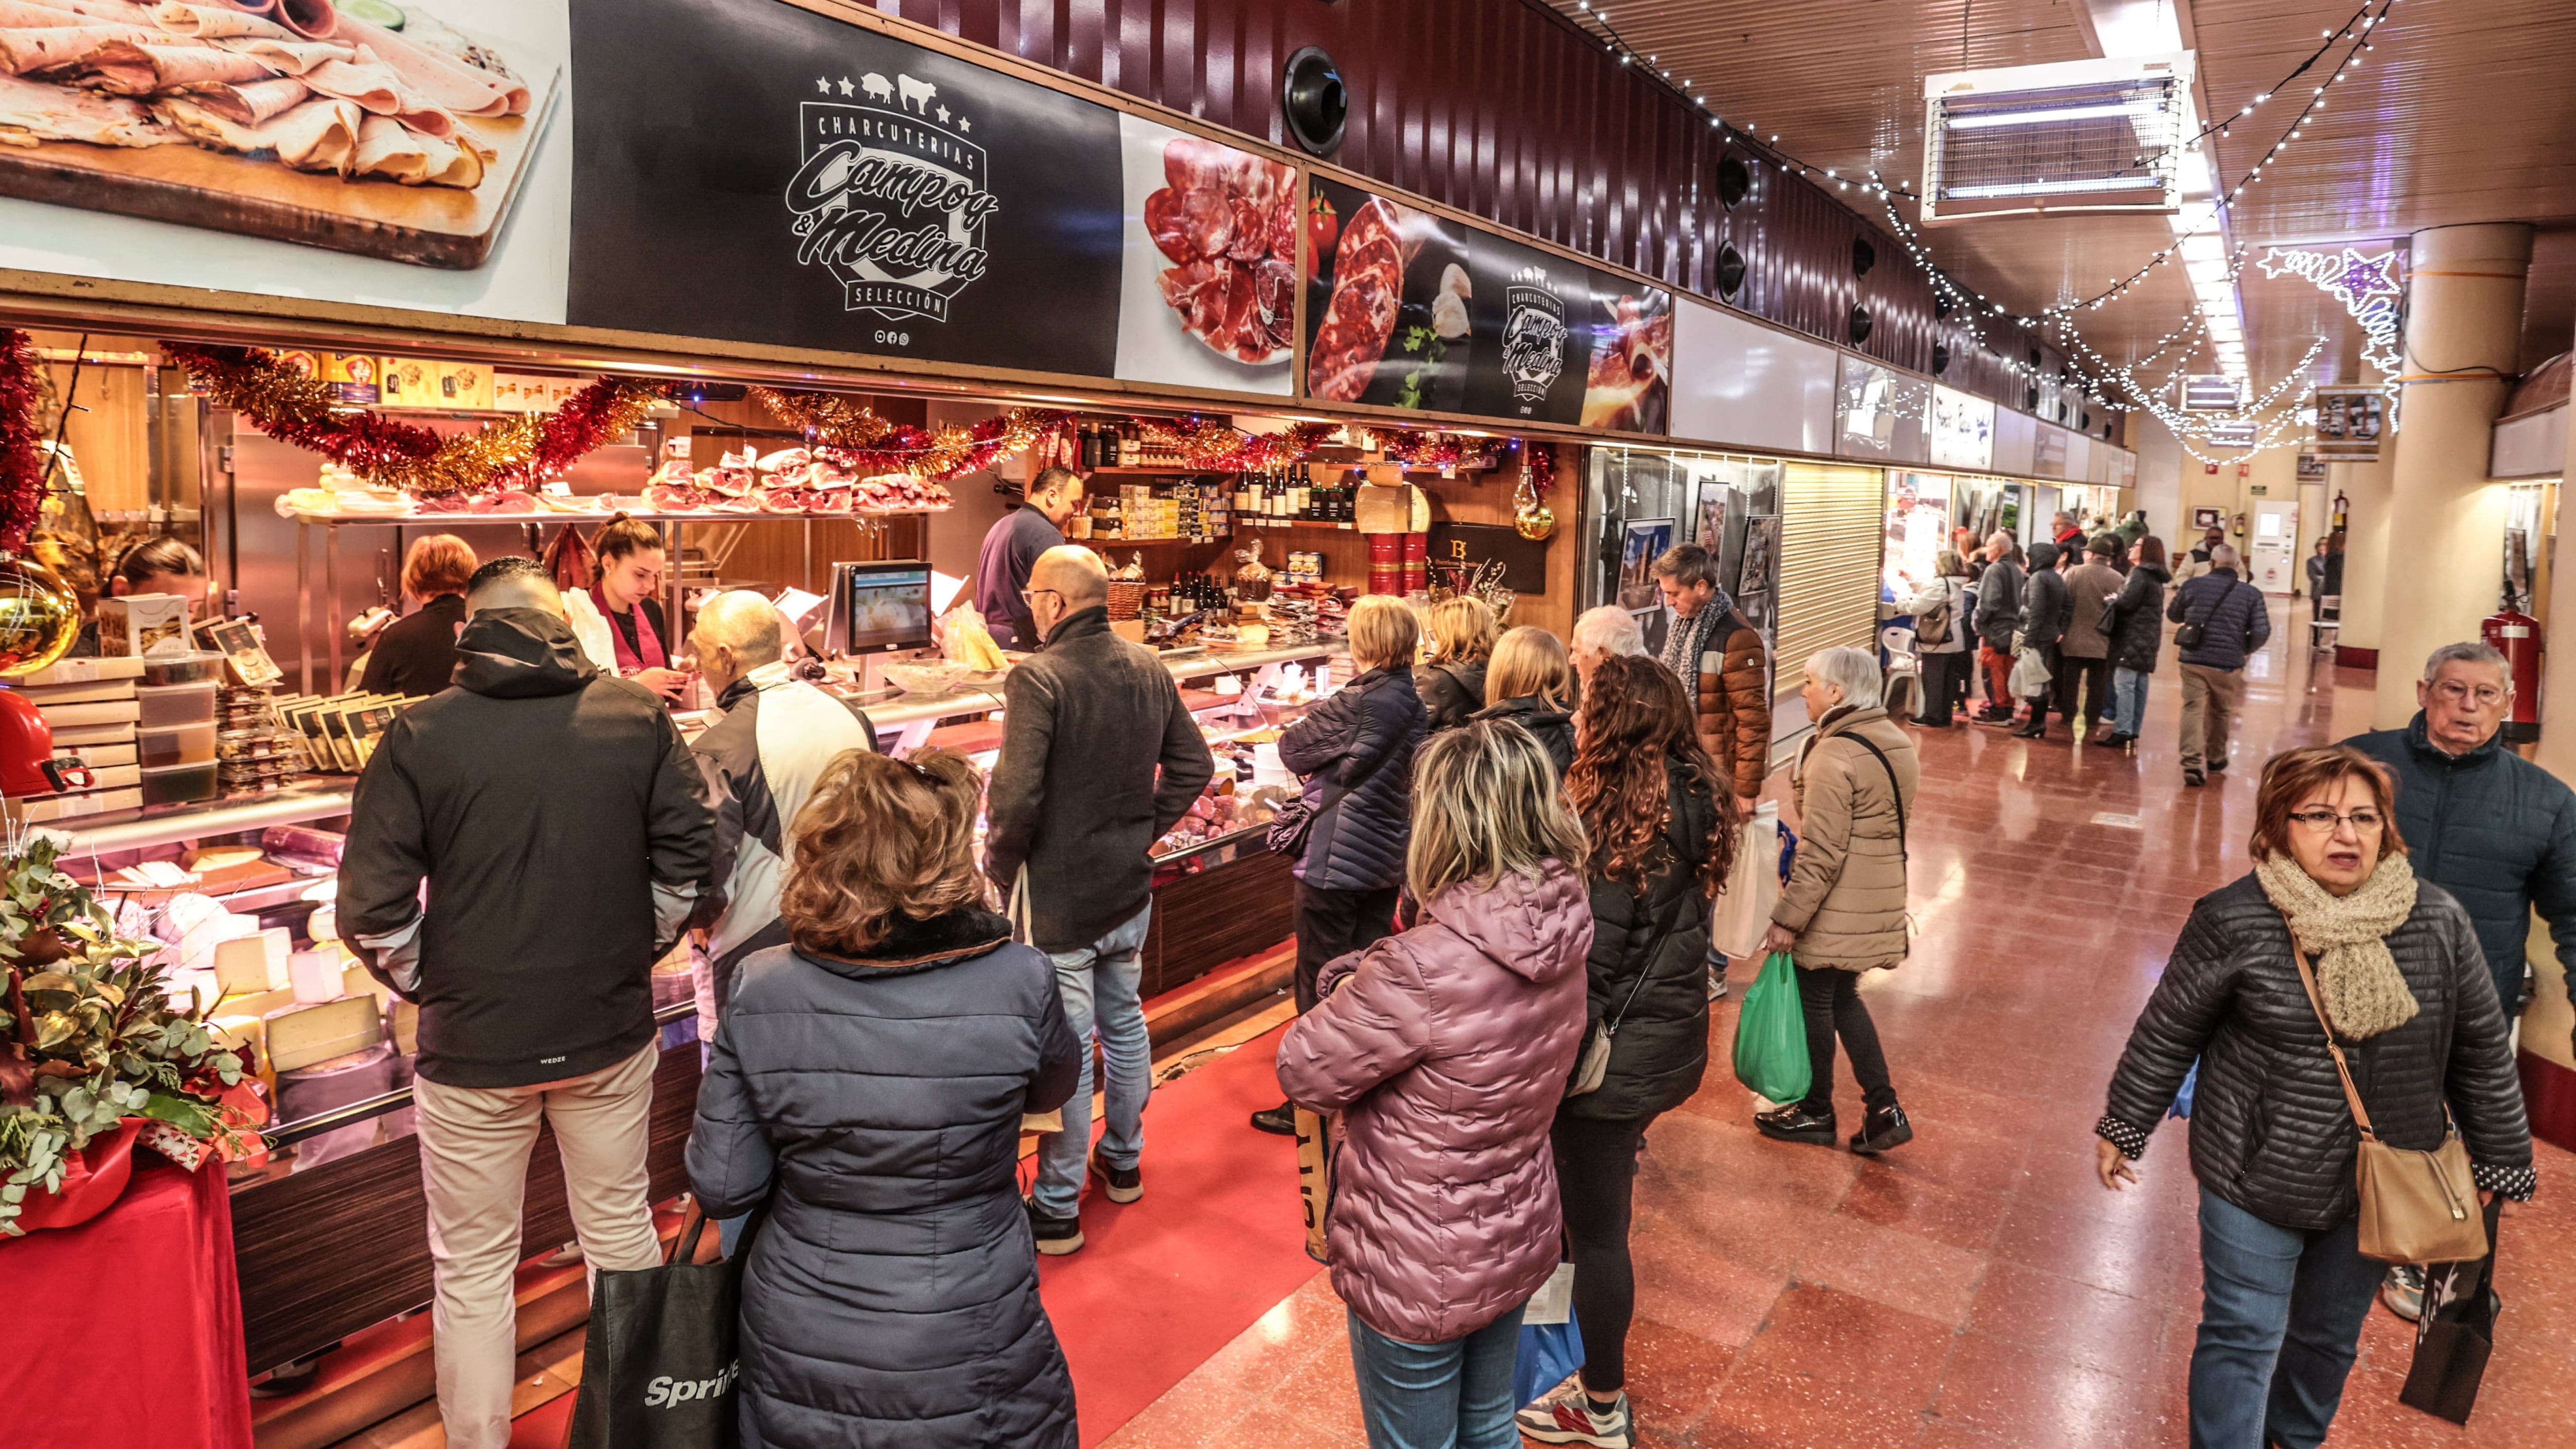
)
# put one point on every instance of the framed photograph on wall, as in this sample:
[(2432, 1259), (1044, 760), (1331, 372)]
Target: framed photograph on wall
[(1643, 542), (2207, 518)]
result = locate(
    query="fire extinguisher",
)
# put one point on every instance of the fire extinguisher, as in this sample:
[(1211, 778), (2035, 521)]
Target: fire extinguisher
[(2516, 635)]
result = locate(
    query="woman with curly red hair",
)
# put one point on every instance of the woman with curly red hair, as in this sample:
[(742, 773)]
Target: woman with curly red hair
[(1661, 823)]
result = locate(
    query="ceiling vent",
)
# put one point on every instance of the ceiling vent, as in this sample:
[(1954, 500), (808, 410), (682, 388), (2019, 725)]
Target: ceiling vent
[(2086, 135)]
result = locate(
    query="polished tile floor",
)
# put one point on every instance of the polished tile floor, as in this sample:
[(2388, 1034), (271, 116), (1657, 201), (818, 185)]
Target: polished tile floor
[(1976, 1288)]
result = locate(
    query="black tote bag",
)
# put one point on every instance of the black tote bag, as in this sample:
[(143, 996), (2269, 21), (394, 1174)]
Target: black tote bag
[(2456, 1334), (659, 1362)]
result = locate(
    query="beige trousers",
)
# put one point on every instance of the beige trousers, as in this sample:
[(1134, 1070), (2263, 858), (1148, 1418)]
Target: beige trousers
[(2209, 701), (474, 1146)]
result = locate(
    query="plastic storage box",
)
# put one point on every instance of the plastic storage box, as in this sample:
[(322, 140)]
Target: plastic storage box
[(175, 704), (202, 667), (186, 744), (178, 784)]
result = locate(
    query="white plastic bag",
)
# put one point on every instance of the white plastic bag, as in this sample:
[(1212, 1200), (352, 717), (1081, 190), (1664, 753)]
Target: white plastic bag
[(1752, 886), (2029, 675), (1554, 1300)]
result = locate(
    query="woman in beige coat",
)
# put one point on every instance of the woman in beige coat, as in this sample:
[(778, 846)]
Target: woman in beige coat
[(1843, 910)]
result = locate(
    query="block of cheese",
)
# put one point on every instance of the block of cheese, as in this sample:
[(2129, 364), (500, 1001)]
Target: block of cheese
[(84, 671), (242, 1033), (299, 1036), (72, 716), (406, 1028), (356, 981), (245, 965)]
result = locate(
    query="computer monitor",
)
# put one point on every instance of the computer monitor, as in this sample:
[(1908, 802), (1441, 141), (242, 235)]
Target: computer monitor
[(880, 608)]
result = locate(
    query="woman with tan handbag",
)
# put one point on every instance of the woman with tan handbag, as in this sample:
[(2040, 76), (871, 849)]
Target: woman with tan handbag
[(2357, 1097)]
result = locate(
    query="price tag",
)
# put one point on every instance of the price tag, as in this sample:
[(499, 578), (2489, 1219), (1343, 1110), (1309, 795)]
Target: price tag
[(1228, 686), (558, 489)]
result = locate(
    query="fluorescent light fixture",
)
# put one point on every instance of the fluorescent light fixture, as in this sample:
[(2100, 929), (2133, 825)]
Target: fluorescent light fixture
[(1995, 120), (2052, 188)]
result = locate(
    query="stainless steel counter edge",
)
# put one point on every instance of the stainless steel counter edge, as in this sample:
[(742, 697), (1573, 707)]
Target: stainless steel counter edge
[(127, 830), (914, 708)]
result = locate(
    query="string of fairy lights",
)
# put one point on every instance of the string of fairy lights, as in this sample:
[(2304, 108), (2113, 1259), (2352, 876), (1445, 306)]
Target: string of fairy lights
[(2354, 38)]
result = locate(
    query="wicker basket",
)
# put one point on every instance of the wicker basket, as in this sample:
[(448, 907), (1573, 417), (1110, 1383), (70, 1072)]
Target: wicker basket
[(1126, 598)]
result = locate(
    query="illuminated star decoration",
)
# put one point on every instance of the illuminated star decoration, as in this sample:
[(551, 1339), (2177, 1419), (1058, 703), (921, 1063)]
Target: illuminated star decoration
[(2372, 289)]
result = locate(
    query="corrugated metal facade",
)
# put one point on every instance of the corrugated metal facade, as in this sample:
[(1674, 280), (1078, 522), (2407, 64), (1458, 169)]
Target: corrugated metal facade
[(1829, 558), (1504, 109)]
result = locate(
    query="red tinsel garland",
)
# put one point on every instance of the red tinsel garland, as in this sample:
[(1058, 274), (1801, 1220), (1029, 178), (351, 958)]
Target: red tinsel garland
[(301, 410), (1538, 464), (1219, 447), (22, 462)]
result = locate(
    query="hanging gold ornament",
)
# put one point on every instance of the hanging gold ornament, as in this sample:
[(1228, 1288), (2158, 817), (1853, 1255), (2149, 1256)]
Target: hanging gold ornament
[(1531, 519), (39, 616)]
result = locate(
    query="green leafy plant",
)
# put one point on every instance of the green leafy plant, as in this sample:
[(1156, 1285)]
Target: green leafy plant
[(1431, 347), (88, 1034)]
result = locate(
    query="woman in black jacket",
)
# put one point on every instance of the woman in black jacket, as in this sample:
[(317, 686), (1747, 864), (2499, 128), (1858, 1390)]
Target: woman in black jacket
[(416, 655), (867, 1084), (2137, 632), (1530, 682), (2399, 973), (1663, 833), (1452, 681), (1355, 751)]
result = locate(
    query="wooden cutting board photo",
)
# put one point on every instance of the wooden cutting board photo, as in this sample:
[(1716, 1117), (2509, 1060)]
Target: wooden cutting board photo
[(256, 195)]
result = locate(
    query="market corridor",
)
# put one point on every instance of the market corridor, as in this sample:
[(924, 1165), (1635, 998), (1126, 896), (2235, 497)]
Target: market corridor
[(1976, 1287)]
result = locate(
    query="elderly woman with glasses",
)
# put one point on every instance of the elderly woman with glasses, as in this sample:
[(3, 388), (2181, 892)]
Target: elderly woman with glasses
[(2330, 931)]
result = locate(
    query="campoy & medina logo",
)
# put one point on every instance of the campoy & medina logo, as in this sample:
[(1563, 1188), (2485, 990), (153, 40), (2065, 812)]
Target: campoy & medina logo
[(891, 195), (1533, 336)]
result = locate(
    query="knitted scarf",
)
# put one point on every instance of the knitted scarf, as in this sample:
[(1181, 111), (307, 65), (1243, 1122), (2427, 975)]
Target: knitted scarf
[(1688, 639), (2364, 992)]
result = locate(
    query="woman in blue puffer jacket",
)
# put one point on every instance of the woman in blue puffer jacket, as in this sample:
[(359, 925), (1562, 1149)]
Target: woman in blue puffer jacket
[(1355, 751)]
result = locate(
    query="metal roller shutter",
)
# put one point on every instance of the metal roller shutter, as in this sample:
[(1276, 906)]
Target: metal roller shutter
[(1829, 559)]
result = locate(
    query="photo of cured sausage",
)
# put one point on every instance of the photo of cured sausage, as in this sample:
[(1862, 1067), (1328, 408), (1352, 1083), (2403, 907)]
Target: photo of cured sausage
[(1359, 317)]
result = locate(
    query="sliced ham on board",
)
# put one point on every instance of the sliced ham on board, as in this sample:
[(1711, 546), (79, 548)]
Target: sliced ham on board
[(388, 148), (255, 103), (319, 135), (212, 22), (31, 15), (436, 77), (288, 57), (367, 80), (125, 69), (64, 47), (30, 113)]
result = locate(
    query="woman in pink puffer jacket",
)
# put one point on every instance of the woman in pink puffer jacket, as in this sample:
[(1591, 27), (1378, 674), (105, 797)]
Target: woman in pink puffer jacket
[(1446, 1050)]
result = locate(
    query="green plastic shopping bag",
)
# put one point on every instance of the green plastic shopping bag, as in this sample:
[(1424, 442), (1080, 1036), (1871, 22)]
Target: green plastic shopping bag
[(1771, 1035)]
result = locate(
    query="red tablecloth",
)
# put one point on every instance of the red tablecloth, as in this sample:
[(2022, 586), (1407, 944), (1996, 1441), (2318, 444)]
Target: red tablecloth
[(126, 1331)]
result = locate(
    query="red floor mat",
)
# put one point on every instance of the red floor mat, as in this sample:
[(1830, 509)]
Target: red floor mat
[(1163, 1283)]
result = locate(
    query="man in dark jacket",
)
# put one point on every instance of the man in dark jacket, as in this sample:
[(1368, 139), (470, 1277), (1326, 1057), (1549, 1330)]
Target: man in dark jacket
[(1998, 617), (2046, 610), (2232, 621), (2086, 650), (558, 822), (1074, 806), (1011, 549), (2483, 823)]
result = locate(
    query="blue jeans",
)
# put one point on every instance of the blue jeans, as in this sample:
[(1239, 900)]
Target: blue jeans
[(1454, 1395), (2280, 1319), (1100, 985), (2128, 700)]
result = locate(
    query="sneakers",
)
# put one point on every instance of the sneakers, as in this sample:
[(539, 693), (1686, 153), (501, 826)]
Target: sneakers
[(2218, 767), (2403, 1292), (1122, 1184), (1571, 1419), (1716, 983), (1056, 1236), (1794, 1123), (2194, 778), (1881, 1130), (1279, 1121)]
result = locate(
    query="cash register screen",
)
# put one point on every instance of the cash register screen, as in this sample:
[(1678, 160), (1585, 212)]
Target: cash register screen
[(884, 606)]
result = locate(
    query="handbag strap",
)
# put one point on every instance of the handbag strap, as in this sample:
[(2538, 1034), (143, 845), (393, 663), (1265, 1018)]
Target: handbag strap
[(2351, 1094), (1895, 791), (1672, 921)]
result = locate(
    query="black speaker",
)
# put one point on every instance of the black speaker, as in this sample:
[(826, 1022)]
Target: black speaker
[(1730, 271), (1859, 324), (1864, 256), (1734, 181), (1940, 358), (1941, 303), (1312, 97)]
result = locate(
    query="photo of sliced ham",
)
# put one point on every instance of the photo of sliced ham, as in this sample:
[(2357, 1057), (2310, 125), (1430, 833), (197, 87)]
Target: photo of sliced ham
[(255, 103), (40, 15), (1222, 219), (389, 149), (122, 68), (210, 22), (319, 135), (1368, 290), (32, 112), (289, 56), (45, 49), (439, 78)]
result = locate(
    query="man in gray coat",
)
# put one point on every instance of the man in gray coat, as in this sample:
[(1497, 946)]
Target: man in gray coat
[(1998, 619), (1075, 804)]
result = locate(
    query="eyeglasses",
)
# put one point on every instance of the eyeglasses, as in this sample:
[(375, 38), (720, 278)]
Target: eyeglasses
[(2322, 821), (1030, 596), (2452, 691)]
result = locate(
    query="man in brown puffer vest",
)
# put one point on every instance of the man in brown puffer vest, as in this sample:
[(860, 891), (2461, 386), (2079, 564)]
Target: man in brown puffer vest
[(1722, 660)]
